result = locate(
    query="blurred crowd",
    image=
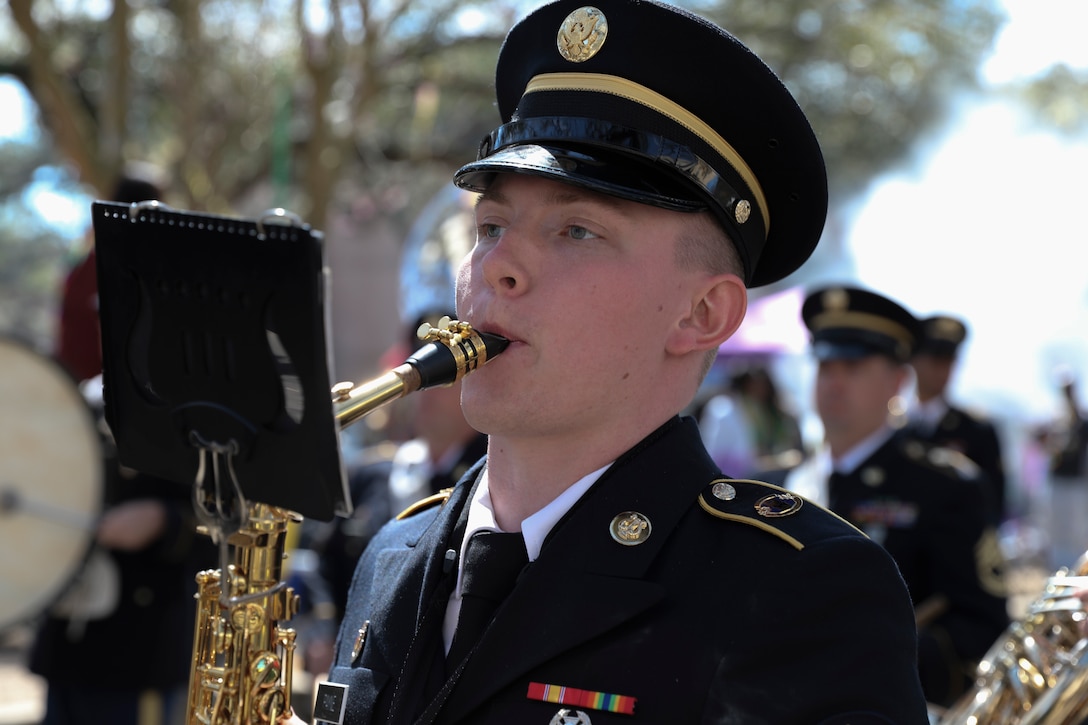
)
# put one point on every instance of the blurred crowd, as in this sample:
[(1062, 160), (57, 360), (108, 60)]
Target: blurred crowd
[(1033, 487)]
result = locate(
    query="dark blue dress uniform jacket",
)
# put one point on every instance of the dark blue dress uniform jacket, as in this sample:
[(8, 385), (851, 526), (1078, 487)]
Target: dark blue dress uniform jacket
[(977, 439), (927, 506), (720, 616), (948, 549)]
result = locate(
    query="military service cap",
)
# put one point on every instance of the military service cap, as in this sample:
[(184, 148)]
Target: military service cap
[(941, 336), (847, 322), (648, 102)]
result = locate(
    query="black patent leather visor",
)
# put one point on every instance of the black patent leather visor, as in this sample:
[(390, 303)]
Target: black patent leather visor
[(589, 171), (826, 350), (604, 155)]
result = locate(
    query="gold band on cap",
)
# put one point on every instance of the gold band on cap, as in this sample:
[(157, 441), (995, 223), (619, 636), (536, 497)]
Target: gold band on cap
[(861, 321), (624, 88)]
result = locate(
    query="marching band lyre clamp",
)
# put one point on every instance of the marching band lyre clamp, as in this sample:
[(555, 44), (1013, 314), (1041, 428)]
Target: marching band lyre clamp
[(278, 216)]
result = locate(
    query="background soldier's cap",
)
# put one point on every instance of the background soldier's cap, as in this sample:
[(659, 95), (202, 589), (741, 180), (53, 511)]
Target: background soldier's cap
[(941, 336), (651, 103), (851, 323)]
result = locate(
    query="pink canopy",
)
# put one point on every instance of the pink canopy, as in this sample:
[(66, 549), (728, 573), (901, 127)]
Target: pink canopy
[(772, 327)]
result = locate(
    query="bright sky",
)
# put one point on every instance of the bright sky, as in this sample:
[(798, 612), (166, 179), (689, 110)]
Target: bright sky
[(1040, 33), (70, 215), (17, 109), (990, 226)]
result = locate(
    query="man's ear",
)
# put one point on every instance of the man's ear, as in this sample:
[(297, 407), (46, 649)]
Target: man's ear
[(717, 309)]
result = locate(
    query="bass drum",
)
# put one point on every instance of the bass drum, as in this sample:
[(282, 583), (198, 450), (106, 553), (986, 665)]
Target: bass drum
[(51, 482)]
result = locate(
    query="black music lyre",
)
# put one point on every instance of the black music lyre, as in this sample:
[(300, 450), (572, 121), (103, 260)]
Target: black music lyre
[(214, 349)]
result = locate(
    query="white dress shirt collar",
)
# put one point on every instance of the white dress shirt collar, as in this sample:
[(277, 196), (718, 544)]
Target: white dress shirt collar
[(851, 459), (481, 516)]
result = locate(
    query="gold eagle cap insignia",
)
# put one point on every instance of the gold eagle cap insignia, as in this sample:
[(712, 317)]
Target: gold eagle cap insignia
[(582, 34), (836, 299)]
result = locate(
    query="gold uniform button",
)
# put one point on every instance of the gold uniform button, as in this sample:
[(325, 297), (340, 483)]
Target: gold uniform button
[(723, 491), (742, 211), (873, 476)]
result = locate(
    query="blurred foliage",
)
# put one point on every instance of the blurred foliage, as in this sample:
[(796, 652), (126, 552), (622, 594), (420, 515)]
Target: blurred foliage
[(228, 94), (872, 75), (364, 107), (1058, 98), (32, 253)]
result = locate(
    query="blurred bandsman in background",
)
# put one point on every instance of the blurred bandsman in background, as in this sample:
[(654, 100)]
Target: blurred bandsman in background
[(431, 444), (78, 344), (1066, 444), (935, 419), (925, 505), (747, 427)]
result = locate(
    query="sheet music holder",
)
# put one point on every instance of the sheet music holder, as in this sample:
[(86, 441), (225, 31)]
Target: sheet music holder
[(214, 339)]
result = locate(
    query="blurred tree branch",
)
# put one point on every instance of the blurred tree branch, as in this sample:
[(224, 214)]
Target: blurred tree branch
[(68, 120), (218, 91), (215, 92)]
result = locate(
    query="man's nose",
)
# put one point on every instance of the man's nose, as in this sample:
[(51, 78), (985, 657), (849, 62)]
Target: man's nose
[(504, 265)]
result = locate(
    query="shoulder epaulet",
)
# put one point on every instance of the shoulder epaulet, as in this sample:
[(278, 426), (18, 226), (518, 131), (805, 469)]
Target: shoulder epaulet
[(948, 460), (423, 504), (770, 508)]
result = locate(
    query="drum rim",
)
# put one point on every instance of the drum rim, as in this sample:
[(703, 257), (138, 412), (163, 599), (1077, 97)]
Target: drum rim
[(35, 607)]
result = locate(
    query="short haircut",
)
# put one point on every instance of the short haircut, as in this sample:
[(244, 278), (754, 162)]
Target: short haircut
[(705, 246)]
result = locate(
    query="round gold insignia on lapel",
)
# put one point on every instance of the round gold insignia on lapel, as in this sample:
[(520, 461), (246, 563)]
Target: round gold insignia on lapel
[(872, 476), (582, 34), (570, 717), (723, 491), (630, 528), (778, 504)]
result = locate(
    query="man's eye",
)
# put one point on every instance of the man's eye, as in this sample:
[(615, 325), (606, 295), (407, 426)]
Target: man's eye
[(490, 231), (577, 232)]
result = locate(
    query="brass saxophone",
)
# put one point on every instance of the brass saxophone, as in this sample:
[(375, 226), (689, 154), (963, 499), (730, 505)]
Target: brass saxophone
[(242, 651), (1036, 673)]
